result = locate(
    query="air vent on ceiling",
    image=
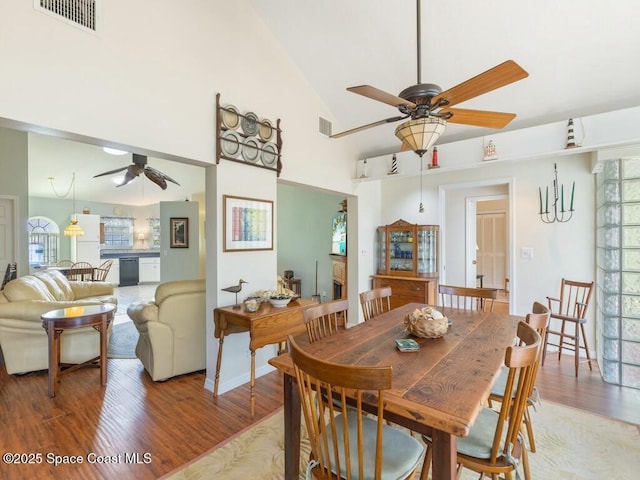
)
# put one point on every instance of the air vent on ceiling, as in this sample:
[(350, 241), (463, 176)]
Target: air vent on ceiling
[(81, 13), (325, 126)]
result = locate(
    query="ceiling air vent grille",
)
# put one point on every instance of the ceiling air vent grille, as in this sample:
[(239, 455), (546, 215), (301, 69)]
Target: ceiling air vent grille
[(82, 13)]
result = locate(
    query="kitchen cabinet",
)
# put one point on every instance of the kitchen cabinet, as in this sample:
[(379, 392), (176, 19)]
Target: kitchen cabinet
[(87, 247), (149, 269), (407, 261)]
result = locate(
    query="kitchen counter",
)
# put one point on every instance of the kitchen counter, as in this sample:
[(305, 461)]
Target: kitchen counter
[(132, 253)]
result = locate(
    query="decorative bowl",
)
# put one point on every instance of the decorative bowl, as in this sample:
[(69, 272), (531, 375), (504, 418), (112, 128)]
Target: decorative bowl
[(279, 302), (426, 323)]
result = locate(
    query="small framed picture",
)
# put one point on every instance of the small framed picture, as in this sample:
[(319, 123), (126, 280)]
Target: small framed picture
[(179, 228)]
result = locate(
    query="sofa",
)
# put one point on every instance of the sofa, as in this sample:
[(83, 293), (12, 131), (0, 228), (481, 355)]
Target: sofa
[(23, 340), (172, 329)]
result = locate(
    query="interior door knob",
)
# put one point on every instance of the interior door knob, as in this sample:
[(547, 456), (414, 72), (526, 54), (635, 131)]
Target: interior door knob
[(474, 262)]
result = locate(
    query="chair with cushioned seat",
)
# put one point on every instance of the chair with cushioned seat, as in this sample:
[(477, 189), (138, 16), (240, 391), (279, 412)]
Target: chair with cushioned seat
[(571, 308), (346, 443), (375, 302), (495, 445), (538, 319)]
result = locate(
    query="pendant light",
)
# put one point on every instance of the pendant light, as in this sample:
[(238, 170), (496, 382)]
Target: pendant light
[(73, 229)]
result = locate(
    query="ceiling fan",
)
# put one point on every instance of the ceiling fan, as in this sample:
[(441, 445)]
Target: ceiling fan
[(139, 166), (429, 107)]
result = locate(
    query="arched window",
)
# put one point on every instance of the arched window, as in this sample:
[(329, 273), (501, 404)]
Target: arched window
[(43, 241)]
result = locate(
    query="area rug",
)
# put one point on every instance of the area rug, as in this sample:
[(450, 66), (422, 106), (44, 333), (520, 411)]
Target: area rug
[(572, 445), (123, 340)]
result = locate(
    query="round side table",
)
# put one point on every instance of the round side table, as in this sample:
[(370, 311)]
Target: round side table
[(56, 322)]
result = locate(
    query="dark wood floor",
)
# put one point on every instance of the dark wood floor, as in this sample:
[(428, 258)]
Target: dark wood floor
[(149, 429)]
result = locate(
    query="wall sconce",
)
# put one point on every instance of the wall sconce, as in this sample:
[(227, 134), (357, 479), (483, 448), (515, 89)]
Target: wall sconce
[(563, 215), (141, 237)]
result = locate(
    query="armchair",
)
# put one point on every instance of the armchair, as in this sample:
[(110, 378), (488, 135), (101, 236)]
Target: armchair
[(172, 329)]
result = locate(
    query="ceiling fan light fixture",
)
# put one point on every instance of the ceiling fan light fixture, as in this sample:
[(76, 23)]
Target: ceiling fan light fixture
[(114, 151), (420, 134)]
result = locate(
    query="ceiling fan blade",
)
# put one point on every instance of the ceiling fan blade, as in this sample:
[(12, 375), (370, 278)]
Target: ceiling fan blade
[(381, 96), (158, 173), (496, 77), (110, 172), (369, 125), (479, 118), (155, 178)]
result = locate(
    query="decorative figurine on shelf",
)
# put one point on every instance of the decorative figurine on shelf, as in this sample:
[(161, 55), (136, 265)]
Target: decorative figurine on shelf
[(394, 165), (235, 289), (363, 173), (571, 141), (490, 151), (434, 159)]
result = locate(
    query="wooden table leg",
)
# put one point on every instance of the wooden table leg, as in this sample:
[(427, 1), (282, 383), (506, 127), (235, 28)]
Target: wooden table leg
[(291, 429), (252, 401), (53, 360), (444, 456), (218, 363), (103, 349)]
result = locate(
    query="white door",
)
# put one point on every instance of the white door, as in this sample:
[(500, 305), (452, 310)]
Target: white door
[(491, 237), (7, 234)]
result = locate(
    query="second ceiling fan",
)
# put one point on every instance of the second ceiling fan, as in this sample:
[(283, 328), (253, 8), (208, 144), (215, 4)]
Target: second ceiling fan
[(429, 107)]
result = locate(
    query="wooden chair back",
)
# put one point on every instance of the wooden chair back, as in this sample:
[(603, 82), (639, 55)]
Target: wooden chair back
[(87, 275), (467, 298), (324, 421), (375, 302), (325, 319), (520, 360), (10, 273), (574, 299), (65, 264), (100, 273)]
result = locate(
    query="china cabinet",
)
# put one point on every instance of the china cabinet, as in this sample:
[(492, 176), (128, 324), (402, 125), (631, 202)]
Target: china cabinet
[(407, 261)]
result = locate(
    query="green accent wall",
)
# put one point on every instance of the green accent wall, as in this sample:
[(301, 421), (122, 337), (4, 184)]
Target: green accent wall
[(304, 235)]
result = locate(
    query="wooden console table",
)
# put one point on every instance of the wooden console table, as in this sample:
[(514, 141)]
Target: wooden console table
[(269, 325)]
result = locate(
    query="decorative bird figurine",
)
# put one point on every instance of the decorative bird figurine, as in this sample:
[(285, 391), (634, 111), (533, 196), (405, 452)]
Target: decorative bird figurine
[(140, 166), (235, 289)]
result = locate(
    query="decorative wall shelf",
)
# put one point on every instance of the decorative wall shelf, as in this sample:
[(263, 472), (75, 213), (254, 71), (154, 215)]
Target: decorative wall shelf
[(244, 138)]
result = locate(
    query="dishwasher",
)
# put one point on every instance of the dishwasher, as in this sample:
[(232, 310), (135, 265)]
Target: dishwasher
[(129, 271)]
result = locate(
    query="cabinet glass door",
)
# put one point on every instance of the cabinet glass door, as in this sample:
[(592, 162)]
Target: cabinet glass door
[(427, 251), (401, 250)]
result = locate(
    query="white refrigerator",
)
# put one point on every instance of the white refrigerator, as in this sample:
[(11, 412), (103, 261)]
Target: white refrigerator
[(87, 247)]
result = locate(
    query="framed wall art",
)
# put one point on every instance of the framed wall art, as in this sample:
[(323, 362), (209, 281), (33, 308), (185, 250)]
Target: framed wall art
[(179, 228), (248, 224)]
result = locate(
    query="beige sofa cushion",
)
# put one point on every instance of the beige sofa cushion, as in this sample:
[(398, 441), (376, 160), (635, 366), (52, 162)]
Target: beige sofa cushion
[(57, 284), (27, 288)]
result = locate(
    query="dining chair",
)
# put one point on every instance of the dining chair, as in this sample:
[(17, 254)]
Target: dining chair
[(467, 298), (10, 273), (81, 276), (346, 443), (100, 273), (375, 302), (325, 319), (570, 309), (495, 444), (538, 319), (64, 264)]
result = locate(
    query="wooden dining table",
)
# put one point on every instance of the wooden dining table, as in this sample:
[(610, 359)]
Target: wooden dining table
[(438, 390)]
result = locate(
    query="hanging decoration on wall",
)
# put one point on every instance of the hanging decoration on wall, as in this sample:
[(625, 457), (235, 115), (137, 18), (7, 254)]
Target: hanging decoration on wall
[(558, 213), (247, 138)]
